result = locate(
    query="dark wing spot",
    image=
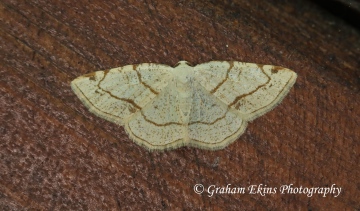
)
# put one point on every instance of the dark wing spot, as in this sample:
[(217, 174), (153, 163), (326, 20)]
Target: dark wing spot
[(132, 109), (275, 69), (135, 66), (261, 66), (91, 76)]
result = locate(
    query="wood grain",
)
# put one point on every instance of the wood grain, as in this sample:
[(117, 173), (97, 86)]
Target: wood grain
[(55, 154)]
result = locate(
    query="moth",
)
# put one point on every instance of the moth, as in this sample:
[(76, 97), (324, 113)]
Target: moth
[(206, 106)]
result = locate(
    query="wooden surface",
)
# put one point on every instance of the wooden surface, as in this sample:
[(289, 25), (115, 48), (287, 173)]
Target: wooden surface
[(56, 155)]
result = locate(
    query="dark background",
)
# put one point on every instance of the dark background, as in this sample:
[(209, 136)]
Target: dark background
[(56, 155)]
